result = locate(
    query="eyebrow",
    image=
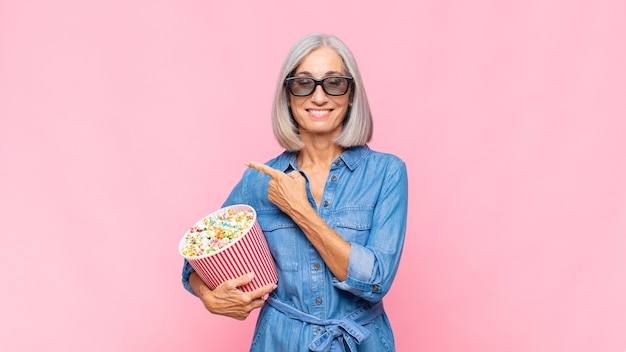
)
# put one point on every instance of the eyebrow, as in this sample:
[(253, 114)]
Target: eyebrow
[(328, 73)]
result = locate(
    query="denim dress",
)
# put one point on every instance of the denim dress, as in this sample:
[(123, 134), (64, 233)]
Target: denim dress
[(365, 201)]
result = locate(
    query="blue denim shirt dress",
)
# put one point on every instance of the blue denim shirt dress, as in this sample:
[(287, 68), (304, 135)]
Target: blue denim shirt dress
[(365, 201)]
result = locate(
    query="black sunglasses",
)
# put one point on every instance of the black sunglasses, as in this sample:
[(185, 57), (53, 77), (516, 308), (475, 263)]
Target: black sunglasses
[(301, 86)]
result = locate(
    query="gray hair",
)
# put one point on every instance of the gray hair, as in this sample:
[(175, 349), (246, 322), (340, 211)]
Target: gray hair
[(358, 125)]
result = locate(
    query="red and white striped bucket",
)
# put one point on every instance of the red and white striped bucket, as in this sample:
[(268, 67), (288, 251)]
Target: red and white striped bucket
[(248, 253)]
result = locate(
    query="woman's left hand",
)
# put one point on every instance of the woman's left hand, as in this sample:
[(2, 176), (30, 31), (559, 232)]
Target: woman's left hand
[(286, 191)]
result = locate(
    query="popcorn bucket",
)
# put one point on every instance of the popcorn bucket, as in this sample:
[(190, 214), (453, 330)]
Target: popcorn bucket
[(246, 253)]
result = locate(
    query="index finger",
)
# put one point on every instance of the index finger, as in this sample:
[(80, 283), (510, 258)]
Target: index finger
[(270, 171)]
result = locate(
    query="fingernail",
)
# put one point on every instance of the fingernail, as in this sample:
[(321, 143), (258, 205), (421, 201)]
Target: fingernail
[(266, 296)]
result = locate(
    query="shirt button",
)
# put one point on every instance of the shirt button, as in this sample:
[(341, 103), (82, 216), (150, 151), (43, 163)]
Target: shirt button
[(375, 288), (325, 204), (316, 266), (317, 331), (337, 162), (333, 178), (318, 301)]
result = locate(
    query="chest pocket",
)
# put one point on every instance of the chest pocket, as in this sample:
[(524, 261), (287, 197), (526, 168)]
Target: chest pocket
[(354, 224), (281, 234)]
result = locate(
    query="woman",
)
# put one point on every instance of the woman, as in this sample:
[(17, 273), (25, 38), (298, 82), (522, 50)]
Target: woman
[(333, 212)]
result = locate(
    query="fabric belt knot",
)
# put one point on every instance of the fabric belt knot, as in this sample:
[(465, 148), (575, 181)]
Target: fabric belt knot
[(350, 327)]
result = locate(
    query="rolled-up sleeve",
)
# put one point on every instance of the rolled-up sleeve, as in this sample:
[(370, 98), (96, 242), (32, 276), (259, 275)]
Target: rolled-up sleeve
[(360, 266), (187, 270)]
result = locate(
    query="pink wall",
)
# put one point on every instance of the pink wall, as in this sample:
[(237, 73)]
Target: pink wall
[(122, 122)]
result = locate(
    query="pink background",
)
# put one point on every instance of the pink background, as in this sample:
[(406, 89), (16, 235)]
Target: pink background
[(123, 122)]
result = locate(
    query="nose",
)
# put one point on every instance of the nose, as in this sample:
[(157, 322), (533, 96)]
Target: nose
[(319, 97)]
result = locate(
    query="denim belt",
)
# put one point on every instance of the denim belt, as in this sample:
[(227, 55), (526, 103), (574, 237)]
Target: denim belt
[(349, 327)]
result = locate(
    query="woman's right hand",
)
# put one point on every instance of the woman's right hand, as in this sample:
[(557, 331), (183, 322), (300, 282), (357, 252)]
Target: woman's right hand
[(227, 299)]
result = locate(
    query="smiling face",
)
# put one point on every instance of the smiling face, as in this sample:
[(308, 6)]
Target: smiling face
[(320, 114)]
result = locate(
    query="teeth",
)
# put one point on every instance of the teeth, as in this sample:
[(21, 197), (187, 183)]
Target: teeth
[(319, 112)]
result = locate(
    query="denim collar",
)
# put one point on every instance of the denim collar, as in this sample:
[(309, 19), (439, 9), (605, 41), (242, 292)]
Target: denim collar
[(352, 157)]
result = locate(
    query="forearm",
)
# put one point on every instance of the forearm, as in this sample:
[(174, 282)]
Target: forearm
[(198, 286)]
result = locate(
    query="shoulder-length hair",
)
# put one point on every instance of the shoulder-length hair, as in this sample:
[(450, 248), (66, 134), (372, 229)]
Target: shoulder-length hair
[(358, 125)]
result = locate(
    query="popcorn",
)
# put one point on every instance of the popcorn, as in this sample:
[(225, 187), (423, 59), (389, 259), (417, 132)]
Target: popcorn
[(216, 231)]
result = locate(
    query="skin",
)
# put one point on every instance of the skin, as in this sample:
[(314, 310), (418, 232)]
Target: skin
[(320, 120), (227, 299)]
